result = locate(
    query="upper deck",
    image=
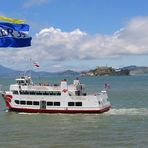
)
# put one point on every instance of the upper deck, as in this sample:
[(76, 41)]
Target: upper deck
[(25, 85)]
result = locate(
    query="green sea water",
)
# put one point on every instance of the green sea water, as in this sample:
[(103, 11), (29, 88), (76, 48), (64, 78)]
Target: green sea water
[(124, 126)]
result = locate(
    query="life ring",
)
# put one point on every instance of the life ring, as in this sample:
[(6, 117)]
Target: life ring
[(64, 90)]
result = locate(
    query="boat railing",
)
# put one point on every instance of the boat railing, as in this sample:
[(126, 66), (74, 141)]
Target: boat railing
[(45, 84)]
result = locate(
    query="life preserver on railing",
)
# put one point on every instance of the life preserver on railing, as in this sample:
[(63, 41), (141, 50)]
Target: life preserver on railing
[(64, 90)]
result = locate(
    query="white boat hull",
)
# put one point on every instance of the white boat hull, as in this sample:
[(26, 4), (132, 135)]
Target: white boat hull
[(63, 98), (12, 106)]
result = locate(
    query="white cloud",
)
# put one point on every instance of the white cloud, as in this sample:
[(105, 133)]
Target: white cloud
[(130, 40), (52, 44), (31, 3)]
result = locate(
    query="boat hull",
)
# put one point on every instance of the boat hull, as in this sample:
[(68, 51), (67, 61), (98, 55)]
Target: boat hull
[(63, 103), (66, 111)]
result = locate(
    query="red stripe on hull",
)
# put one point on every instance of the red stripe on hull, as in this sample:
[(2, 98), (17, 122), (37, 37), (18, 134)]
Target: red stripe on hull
[(59, 111)]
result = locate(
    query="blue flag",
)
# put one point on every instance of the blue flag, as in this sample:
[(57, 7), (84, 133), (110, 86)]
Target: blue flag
[(17, 27), (15, 42), (14, 35)]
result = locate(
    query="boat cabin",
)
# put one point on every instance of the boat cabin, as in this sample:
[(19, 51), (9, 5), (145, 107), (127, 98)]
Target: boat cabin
[(25, 80)]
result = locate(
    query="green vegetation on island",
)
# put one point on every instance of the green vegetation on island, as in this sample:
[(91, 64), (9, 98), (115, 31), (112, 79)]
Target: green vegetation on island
[(105, 71)]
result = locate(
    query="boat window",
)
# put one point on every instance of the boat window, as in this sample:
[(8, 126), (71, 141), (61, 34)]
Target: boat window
[(25, 92), (77, 93), (15, 92), (45, 93), (58, 93), (29, 102), (32, 93), (38, 93), (51, 93), (78, 103), (54, 93), (20, 82), (56, 103), (22, 102), (35, 103), (84, 94), (17, 101), (70, 103), (49, 103)]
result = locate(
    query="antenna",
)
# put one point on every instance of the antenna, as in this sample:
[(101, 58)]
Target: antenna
[(30, 66)]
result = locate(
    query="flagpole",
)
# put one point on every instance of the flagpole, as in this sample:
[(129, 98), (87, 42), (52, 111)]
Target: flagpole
[(31, 67)]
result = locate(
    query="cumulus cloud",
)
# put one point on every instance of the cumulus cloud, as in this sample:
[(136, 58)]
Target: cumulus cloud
[(56, 45), (59, 45)]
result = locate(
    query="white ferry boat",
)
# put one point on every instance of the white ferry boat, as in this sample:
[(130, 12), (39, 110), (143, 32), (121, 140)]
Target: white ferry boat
[(24, 96)]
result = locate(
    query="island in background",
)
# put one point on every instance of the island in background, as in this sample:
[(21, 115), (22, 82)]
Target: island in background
[(98, 71), (110, 71), (105, 71)]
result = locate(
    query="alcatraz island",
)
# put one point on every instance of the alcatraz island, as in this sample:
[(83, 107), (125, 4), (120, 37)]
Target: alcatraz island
[(106, 71), (110, 71)]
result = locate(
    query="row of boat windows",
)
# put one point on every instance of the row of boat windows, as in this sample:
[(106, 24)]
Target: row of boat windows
[(53, 93), (74, 103), (23, 102)]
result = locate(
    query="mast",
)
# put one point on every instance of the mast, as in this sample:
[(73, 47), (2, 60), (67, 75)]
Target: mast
[(30, 67)]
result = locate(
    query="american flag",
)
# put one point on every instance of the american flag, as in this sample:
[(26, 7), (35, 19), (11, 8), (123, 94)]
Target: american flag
[(36, 64), (107, 86)]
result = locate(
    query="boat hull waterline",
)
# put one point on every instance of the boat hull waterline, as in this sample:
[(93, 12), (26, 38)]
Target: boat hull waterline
[(66, 111)]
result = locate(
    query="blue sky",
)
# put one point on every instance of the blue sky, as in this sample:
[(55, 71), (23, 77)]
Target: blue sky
[(79, 34)]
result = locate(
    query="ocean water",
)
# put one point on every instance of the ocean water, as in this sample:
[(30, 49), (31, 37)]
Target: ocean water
[(124, 126)]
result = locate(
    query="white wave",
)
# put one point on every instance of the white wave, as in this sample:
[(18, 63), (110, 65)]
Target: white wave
[(128, 111), (113, 111), (46, 114), (23, 113), (6, 111)]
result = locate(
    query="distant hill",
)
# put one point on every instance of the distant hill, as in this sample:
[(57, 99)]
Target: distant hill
[(105, 71), (7, 72), (129, 70), (68, 73), (131, 67), (136, 70), (4, 71)]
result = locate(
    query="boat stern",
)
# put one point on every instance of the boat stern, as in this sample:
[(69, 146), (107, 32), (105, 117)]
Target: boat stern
[(102, 98)]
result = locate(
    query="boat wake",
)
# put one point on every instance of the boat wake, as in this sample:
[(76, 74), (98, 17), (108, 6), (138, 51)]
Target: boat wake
[(128, 111), (113, 111), (23, 113), (122, 111)]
